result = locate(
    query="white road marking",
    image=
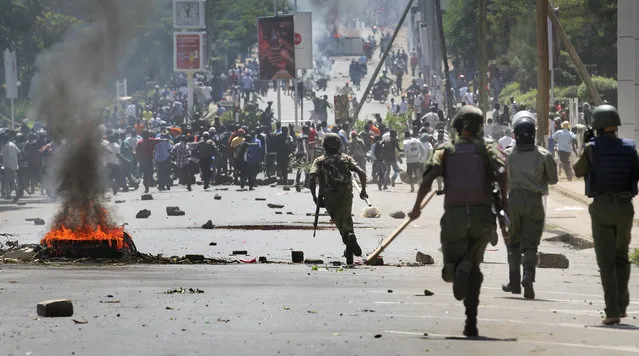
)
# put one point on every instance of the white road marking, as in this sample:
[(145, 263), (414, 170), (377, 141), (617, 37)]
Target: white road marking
[(526, 322), (630, 349)]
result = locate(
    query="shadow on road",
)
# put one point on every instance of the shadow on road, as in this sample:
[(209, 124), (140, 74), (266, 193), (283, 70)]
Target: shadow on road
[(618, 326), (464, 338), (527, 300)]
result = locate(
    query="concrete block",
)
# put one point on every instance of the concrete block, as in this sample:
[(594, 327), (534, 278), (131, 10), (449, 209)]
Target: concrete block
[(55, 308), (424, 258), (297, 256), (552, 260), (147, 197), (143, 214)]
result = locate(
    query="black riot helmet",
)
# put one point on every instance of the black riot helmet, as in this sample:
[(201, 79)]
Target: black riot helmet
[(524, 127), (468, 118), (331, 143), (605, 116)]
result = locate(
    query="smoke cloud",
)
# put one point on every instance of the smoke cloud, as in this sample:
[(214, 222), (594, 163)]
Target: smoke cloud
[(72, 76)]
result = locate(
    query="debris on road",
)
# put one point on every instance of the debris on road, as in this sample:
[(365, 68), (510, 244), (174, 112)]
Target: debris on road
[(289, 213), (77, 321), (36, 221), (390, 291), (240, 252), (217, 197), (147, 197), (120, 201), (22, 254), (379, 261), (262, 259), (143, 214), (552, 260), (212, 243), (182, 290), (278, 213), (195, 258), (424, 258), (336, 263), (313, 262), (249, 260), (378, 336), (260, 199), (428, 293), (398, 215), (573, 241), (208, 225), (55, 308), (297, 256), (174, 211), (371, 212), (286, 188), (275, 206)]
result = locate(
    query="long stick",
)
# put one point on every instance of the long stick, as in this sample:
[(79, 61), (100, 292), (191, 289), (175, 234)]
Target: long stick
[(359, 190), (447, 84), (373, 256), (381, 62)]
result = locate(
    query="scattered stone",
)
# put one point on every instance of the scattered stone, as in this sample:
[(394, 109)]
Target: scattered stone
[(262, 259), (428, 293), (398, 215), (573, 241), (174, 211), (390, 291), (309, 214), (378, 336), (379, 261), (240, 252), (36, 221), (336, 263), (23, 254), (260, 199), (21, 203), (552, 260), (120, 201), (147, 197), (286, 188), (194, 258), (222, 189), (55, 308), (143, 214), (289, 213), (297, 256), (275, 206), (209, 225), (424, 258), (371, 212), (273, 185), (313, 262), (217, 197), (278, 213), (213, 244)]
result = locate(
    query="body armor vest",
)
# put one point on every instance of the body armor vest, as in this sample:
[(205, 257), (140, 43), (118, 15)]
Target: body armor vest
[(466, 176), (612, 167)]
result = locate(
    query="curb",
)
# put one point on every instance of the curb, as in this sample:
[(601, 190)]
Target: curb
[(580, 198)]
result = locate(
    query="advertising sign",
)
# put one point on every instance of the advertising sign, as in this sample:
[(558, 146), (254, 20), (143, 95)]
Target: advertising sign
[(276, 45), (11, 74), (303, 40), (188, 51)]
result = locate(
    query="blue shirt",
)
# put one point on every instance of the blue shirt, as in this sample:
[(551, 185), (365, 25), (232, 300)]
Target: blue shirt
[(163, 150), (564, 138)]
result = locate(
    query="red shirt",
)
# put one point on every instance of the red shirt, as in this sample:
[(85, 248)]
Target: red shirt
[(145, 148), (312, 136)]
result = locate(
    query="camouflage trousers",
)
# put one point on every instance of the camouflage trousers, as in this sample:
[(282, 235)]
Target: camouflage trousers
[(339, 204)]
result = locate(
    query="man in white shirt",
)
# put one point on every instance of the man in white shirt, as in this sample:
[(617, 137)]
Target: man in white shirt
[(403, 106), (10, 154), (112, 160), (507, 140), (415, 152), (131, 113)]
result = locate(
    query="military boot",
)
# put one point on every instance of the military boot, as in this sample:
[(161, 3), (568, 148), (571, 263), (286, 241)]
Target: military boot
[(527, 282), (514, 273), (460, 283), (349, 256), (472, 302), (351, 244)]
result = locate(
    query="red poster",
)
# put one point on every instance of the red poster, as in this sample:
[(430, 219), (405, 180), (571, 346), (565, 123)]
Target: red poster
[(187, 52), (276, 42)]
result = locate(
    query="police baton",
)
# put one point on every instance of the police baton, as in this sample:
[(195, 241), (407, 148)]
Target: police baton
[(373, 256), (359, 190)]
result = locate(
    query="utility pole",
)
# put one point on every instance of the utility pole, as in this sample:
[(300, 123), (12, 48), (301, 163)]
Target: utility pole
[(543, 85), (277, 82), (449, 99), (579, 65), (483, 56)]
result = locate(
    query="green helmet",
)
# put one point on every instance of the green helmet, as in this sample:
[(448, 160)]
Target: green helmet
[(605, 116), (331, 142), (468, 118)]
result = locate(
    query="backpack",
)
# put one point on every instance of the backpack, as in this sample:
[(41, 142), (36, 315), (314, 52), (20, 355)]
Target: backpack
[(335, 171)]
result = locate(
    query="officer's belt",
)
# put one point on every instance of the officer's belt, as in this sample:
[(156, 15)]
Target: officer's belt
[(611, 198)]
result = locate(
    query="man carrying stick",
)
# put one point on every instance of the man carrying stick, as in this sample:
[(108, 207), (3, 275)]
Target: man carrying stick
[(469, 166)]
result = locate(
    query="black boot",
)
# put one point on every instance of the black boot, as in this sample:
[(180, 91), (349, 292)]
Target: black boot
[(472, 302), (349, 256), (514, 273), (461, 281), (351, 244), (527, 282)]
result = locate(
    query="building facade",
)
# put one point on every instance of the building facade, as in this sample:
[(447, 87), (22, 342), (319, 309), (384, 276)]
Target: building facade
[(628, 67)]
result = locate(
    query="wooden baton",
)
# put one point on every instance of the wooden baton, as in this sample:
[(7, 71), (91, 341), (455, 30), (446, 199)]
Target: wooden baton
[(389, 240)]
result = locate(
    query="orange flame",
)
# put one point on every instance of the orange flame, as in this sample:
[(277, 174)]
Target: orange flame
[(113, 236)]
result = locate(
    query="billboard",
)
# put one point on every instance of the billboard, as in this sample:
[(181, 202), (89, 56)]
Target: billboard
[(11, 74), (303, 40), (276, 46), (189, 51)]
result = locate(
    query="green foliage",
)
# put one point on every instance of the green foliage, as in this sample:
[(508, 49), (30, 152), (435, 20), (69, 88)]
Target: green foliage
[(512, 89), (634, 256), (397, 122), (601, 83)]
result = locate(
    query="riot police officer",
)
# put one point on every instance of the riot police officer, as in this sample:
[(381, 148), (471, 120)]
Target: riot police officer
[(611, 169), (333, 170), (468, 221), (530, 169)]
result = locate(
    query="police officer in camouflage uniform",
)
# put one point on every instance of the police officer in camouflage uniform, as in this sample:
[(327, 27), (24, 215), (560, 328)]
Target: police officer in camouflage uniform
[(469, 165), (334, 170), (611, 169), (530, 169)]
